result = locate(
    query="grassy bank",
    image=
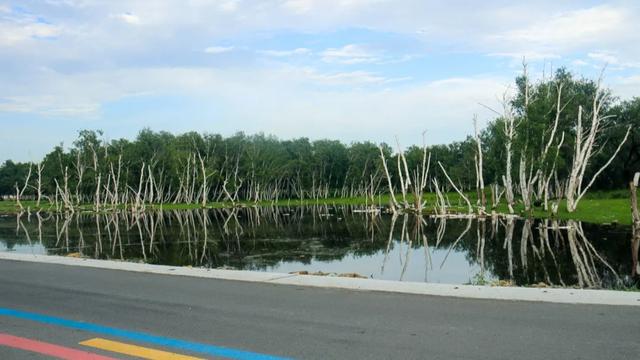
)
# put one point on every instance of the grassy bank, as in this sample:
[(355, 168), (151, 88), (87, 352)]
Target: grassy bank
[(601, 207)]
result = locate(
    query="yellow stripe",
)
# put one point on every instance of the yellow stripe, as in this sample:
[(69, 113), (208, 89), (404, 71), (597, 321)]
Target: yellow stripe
[(133, 350)]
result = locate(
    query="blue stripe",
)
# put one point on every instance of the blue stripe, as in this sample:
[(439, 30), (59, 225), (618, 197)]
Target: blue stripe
[(138, 336)]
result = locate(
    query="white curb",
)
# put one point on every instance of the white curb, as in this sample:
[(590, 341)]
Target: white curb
[(553, 295)]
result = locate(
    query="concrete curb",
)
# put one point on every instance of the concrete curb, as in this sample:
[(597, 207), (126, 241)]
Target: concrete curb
[(552, 295)]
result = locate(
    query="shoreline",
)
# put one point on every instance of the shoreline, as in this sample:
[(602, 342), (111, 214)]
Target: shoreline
[(547, 295), (604, 211)]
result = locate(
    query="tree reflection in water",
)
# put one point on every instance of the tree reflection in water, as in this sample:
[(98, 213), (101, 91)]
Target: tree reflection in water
[(366, 240)]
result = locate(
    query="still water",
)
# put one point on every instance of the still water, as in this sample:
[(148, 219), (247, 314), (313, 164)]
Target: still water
[(338, 240)]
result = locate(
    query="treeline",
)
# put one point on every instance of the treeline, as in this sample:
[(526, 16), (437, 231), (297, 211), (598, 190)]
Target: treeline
[(160, 167)]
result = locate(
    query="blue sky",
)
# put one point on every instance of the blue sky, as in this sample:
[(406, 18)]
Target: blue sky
[(345, 69)]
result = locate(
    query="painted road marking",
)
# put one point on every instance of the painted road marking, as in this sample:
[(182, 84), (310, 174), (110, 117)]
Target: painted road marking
[(140, 336), (52, 350), (134, 350)]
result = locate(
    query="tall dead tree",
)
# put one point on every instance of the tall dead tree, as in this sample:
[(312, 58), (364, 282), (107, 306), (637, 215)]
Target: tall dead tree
[(394, 202), (204, 190), (97, 179), (478, 158), (509, 128), (20, 191), (404, 176), (38, 187), (462, 195), (420, 176), (544, 174), (525, 181), (587, 141), (80, 168)]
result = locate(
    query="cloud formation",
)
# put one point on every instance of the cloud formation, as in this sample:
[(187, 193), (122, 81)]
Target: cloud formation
[(337, 68), (218, 49)]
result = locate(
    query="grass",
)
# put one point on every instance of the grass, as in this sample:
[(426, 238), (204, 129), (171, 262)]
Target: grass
[(599, 207)]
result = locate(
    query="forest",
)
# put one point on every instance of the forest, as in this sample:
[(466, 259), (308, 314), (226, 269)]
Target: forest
[(553, 138)]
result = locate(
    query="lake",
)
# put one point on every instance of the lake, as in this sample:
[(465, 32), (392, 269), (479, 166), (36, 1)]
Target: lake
[(339, 240)]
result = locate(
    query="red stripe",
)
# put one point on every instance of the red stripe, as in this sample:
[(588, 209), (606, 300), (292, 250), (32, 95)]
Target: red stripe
[(57, 351)]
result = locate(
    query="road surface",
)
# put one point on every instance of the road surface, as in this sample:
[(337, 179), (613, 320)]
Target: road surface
[(117, 314)]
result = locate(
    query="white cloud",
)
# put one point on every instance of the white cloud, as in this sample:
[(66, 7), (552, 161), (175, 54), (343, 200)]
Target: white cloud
[(348, 78), (349, 54), (98, 60), (612, 59), (277, 97), (298, 6), (129, 18), (579, 62), (18, 27), (354, 54), (218, 49), (604, 57), (229, 5), (11, 33), (527, 55), (626, 87), (285, 53), (569, 30)]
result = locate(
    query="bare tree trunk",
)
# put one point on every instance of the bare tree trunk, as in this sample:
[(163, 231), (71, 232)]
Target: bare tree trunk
[(394, 202), (405, 179), (136, 206), (204, 189), (525, 183), (456, 188), (421, 174), (510, 133), (98, 178), (441, 203), (20, 191), (39, 169), (585, 146), (80, 167), (479, 167), (584, 151)]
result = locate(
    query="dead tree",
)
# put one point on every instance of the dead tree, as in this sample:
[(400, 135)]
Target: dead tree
[(137, 204), (20, 191), (509, 126), (116, 182), (585, 144), (420, 176), (232, 195), (496, 195), (440, 206), (80, 168), (479, 167), (405, 178), (97, 178), (542, 175), (394, 202), (545, 179), (38, 187), (64, 193), (525, 181), (462, 195), (204, 191)]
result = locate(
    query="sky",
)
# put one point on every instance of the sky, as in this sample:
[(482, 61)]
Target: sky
[(352, 70)]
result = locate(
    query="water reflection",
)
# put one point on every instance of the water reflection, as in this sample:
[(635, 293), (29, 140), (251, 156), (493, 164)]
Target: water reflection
[(340, 239)]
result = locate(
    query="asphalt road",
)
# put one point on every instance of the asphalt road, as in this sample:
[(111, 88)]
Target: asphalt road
[(66, 305)]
